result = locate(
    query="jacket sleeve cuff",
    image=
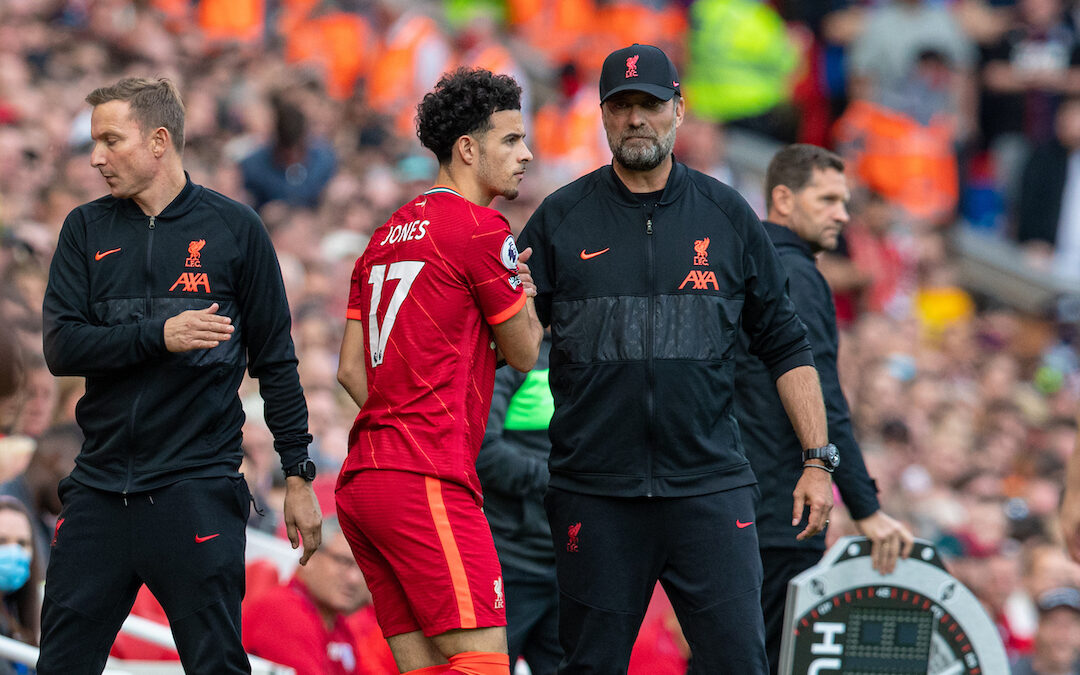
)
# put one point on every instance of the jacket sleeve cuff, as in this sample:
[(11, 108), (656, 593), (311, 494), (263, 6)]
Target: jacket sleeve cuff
[(864, 502), (864, 508), (802, 357), (153, 337), (292, 456)]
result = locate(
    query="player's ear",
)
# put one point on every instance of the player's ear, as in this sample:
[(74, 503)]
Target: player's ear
[(467, 149)]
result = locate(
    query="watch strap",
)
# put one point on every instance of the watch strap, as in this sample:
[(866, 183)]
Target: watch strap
[(305, 468)]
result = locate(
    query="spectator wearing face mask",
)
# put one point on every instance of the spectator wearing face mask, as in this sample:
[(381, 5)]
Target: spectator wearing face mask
[(20, 577)]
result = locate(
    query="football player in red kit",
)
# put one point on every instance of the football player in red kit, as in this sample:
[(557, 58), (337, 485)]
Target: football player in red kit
[(437, 298)]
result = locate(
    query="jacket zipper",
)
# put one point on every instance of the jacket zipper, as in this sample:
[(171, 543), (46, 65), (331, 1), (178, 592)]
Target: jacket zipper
[(148, 309), (650, 378)]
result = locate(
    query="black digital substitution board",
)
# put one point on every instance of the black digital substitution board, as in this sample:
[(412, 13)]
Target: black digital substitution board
[(843, 617)]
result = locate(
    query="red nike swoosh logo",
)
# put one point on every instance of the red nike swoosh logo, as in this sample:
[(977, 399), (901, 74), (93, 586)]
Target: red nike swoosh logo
[(199, 540), (586, 256), (99, 255), (740, 524)]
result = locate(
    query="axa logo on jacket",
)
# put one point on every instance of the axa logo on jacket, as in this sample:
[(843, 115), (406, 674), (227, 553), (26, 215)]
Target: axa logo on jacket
[(193, 282), (701, 279)]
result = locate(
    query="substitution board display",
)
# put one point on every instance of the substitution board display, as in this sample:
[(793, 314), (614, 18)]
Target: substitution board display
[(843, 617)]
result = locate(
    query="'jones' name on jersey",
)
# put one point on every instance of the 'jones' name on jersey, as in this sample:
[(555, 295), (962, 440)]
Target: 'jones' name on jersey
[(406, 232)]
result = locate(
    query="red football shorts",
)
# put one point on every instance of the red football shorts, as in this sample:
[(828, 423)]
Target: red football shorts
[(426, 552)]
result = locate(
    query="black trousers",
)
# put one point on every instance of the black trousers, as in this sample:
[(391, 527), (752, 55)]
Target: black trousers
[(781, 565), (610, 553), (185, 542), (532, 618)]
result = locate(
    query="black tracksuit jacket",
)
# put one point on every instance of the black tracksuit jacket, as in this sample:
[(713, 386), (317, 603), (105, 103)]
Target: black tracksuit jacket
[(152, 417), (645, 304), (512, 465), (771, 444)]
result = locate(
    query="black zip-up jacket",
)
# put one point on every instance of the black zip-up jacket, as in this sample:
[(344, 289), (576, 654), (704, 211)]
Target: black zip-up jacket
[(512, 465), (645, 303), (152, 417), (771, 444)]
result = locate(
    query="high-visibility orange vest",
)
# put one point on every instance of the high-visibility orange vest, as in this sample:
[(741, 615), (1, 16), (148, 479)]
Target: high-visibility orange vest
[(394, 87), (557, 28), (622, 23), (627, 22), (239, 20), (909, 164), (568, 139), (520, 13), (342, 43), (490, 55), (497, 58)]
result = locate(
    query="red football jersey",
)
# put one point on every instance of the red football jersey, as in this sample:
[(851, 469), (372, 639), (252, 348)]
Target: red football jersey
[(427, 288)]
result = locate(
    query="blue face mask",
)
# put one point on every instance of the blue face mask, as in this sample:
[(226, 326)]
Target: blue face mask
[(14, 567)]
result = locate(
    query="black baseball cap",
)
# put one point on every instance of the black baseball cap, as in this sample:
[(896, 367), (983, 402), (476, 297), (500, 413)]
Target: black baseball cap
[(639, 68)]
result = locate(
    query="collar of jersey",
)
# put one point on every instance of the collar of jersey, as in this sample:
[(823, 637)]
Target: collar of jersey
[(442, 188)]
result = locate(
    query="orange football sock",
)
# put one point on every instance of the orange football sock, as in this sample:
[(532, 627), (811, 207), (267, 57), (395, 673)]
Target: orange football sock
[(480, 663)]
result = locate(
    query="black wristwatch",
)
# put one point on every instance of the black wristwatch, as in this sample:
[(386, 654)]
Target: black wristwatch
[(826, 453), (305, 469)]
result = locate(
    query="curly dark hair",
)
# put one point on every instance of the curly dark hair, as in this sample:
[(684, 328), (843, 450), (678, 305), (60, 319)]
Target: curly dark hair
[(462, 103)]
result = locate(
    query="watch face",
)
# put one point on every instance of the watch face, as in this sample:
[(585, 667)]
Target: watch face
[(829, 454), (305, 470)]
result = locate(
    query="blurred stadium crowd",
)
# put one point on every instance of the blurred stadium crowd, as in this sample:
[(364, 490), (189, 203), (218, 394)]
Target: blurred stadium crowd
[(947, 111)]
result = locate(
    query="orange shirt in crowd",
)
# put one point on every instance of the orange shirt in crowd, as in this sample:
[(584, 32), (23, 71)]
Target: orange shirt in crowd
[(343, 44), (234, 20), (909, 164), (412, 57)]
